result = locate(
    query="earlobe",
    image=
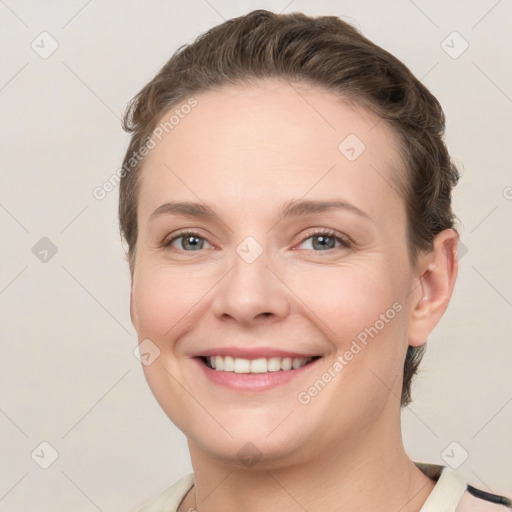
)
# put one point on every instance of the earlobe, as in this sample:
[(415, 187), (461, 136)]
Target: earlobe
[(438, 272)]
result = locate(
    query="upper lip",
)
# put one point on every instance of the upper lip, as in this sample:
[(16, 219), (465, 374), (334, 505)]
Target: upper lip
[(251, 353)]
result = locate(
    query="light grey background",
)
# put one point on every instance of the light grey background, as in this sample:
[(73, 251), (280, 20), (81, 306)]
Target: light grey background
[(68, 376)]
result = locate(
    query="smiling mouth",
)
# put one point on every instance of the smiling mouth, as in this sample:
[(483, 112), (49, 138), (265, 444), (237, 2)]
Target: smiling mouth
[(259, 365)]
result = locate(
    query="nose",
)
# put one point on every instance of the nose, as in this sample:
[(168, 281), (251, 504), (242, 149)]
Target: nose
[(251, 293)]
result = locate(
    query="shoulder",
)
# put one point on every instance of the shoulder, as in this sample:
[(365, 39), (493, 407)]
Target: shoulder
[(170, 498), (453, 493), (476, 500)]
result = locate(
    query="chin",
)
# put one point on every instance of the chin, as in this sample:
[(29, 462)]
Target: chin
[(254, 453)]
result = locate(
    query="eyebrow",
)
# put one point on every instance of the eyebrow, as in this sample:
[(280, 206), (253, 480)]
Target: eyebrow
[(184, 208), (306, 206), (294, 208)]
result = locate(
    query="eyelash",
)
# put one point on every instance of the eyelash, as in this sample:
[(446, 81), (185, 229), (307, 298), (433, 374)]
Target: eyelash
[(344, 241)]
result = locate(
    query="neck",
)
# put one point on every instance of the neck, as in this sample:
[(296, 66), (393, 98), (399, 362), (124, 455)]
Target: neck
[(372, 473)]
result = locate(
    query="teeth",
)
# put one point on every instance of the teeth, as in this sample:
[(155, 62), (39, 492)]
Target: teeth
[(261, 365), (274, 364), (229, 364), (286, 364), (258, 366), (296, 363), (242, 365)]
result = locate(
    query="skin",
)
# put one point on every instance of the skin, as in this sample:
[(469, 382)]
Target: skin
[(247, 151)]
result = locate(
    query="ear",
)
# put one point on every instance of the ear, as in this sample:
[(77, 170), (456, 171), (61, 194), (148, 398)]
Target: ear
[(434, 286), (132, 314)]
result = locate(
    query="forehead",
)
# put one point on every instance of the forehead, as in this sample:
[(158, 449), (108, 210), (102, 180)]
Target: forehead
[(271, 141)]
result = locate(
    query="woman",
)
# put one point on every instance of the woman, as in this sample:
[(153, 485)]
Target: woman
[(286, 200)]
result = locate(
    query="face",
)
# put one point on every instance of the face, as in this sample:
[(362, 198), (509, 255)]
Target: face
[(290, 250)]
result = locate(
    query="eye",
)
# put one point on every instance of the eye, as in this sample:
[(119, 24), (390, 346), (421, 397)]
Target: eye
[(325, 240), (187, 241), (320, 241)]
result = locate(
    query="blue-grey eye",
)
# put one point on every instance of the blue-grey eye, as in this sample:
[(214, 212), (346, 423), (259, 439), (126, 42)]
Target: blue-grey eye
[(191, 242), (323, 241)]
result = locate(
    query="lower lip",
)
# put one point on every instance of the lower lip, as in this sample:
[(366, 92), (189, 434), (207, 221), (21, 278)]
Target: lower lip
[(253, 381)]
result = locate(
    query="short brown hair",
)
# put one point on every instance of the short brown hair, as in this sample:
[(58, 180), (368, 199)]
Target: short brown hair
[(327, 52)]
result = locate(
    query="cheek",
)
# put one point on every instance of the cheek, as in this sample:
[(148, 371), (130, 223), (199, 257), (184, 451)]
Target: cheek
[(164, 302), (364, 317), (361, 311), (351, 302)]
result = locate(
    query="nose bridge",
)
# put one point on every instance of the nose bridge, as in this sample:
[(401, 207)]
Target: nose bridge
[(251, 290)]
